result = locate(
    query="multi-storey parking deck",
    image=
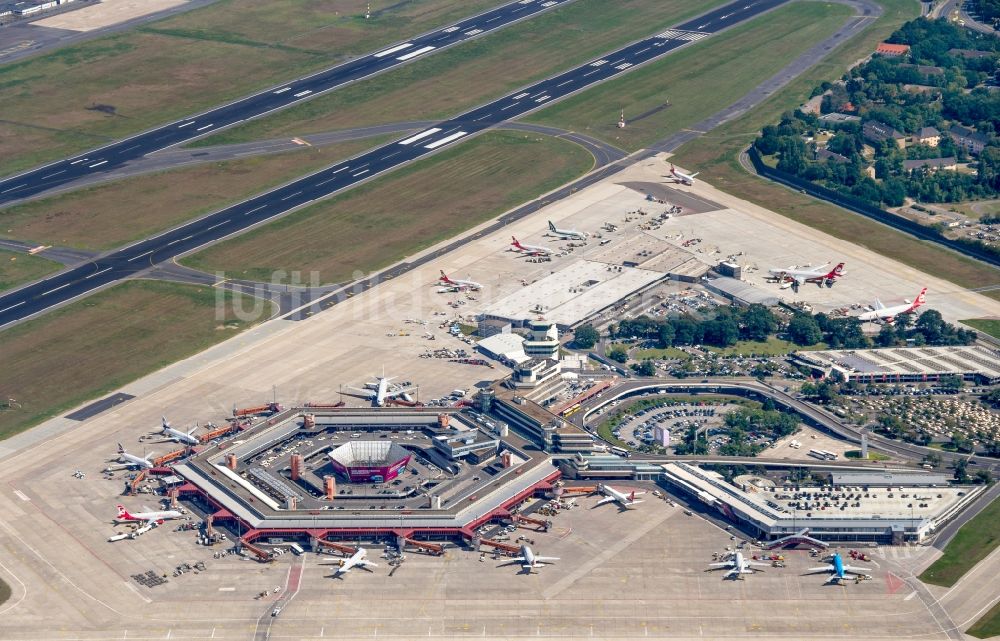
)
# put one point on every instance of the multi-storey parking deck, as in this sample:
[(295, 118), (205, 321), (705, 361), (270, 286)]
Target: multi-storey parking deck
[(278, 479)]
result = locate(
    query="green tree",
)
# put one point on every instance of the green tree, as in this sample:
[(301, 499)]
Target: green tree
[(585, 336), (666, 335), (804, 330), (757, 323), (886, 336), (983, 477), (618, 354), (962, 471), (646, 368)]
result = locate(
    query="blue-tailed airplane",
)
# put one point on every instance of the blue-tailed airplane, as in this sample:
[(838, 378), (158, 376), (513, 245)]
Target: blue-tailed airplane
[(839, 571)]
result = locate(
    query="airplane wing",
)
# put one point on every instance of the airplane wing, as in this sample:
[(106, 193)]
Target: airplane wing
[(799, 278), (606, 499), (519, 559), (633, 502), (357, 391), (546, 559), (856, 570), (878, 304), (368, 564), (719, 565), (758, 564), (822, 568)]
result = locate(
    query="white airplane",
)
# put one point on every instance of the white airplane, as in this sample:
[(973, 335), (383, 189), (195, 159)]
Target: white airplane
[(529, 561), (356, 560), (566, 234), (793, 277), (131, 459), (531, 250), (738, 566), (881, 313), (681, 177), (187, 438), (838, 571), (456, 285), (613, 495), (381, 390), (124, 516)]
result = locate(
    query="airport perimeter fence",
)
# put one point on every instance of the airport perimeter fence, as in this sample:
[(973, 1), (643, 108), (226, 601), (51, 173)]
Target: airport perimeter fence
[(968, 248)]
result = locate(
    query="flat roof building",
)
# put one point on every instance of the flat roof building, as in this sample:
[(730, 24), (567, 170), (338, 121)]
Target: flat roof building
[(774, 513), (906, 364), (740, 292)]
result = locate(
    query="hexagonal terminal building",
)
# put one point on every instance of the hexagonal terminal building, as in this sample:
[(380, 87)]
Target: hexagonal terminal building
[(369, 461)]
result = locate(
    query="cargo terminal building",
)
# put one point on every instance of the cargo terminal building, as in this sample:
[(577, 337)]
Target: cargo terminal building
[(892, 519)]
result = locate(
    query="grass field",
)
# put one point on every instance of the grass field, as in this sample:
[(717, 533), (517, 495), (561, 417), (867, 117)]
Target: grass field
[(872, 456), (771, 347), (974, 541), (697, 80), (16, 268), (112, 214), (716, 155), (398, 214), (986, 627), (102, 342), (450, 81), (186, 63), (985, 325)]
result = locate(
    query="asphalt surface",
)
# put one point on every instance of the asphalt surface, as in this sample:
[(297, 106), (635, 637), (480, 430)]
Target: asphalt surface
[(70, 284), (116, 154), (175, 158)]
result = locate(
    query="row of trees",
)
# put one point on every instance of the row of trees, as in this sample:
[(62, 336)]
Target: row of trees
[(757, 323), (728, 325)]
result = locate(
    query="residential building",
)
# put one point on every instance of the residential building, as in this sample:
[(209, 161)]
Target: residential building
[(969, 139), (931, 164), (886, 49), (929, 136), (878, 131)]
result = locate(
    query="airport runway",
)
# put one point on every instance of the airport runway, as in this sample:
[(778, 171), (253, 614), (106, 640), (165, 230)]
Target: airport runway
[(71, 284), (116, 154), (182, 157)]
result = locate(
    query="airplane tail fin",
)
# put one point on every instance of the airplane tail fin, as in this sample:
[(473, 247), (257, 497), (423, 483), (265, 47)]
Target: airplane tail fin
[(164, 423), (551, 226), (122, 512), (921, 298), (836, 272), (121, 449)]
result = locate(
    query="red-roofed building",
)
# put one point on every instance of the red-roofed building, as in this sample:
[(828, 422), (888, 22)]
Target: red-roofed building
[(887, 49)]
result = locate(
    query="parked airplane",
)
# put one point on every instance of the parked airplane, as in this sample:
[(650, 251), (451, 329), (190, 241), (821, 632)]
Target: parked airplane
[(531, 250), (681, 177), (382, 390), (456, 285), (738, 566), (795, 277), (566, 234), (187, 438), (357, 560), (131, 459), (613, 495), (529, 561), (881, 313), (125, 516), (838, 570)]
